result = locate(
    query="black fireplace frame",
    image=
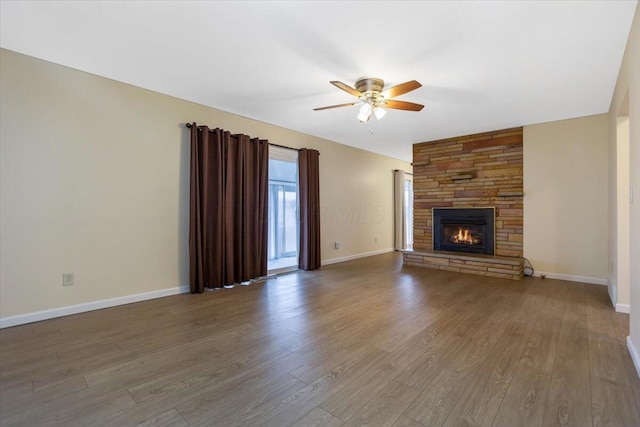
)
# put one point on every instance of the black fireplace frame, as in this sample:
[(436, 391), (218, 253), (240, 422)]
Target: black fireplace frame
[(470, 216)]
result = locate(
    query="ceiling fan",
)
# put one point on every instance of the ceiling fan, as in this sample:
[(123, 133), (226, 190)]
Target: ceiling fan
[(374, 99)]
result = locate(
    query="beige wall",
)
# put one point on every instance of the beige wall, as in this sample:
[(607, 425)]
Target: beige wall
[(626, 102), (95, 176), (565, 204)]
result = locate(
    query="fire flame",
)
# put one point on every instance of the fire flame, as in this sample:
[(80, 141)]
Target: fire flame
[(464, 236)]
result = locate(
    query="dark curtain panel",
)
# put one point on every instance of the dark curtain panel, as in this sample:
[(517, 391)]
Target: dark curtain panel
[(228, 216), (309, 182)]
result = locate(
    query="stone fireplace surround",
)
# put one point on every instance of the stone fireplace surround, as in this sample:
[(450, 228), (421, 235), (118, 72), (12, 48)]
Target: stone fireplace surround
[(480, 170)]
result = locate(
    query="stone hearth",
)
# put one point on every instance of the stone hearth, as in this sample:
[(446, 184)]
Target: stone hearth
[(485, 265)]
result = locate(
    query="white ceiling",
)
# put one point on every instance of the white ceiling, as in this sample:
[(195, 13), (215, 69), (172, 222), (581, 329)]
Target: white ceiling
[(483, 65)]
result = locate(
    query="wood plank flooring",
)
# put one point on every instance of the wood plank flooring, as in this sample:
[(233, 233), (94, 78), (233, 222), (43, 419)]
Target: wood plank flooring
[(365, 342)]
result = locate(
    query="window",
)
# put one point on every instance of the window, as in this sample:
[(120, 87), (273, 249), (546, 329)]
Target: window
[(408, 209), (403, 209)]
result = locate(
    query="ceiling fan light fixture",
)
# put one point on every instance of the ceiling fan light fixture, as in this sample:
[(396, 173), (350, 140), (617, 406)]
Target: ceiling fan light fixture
[(365, 112), (379, 112)]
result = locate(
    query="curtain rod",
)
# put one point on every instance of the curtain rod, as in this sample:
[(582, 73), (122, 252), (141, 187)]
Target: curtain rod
[(189, 125), (285, 147), (406, 173)]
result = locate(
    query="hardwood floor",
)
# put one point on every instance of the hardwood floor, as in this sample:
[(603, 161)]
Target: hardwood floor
[(366, 342)]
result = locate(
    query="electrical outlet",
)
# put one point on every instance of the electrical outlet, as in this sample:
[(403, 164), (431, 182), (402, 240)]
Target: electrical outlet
[(375, 240), (67, 279), (336, 245)]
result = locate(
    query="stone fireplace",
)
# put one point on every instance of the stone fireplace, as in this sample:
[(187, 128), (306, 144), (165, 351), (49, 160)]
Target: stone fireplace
[(469, 172)]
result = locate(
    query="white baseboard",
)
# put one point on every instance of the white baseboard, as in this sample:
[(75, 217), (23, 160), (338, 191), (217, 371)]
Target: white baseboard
[(21, 319), (634, 355), (350, 257), (572, 278), (623, 308)]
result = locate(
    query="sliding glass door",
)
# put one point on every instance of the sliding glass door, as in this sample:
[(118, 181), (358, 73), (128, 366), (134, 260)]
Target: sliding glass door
[(283, 242), (283, 209)]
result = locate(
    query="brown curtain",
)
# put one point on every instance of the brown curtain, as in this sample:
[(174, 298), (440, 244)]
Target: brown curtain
[(228, 212), (309, 182)]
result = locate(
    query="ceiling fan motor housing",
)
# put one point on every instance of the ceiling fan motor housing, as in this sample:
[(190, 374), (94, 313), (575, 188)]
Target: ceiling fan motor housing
[(370, 87)]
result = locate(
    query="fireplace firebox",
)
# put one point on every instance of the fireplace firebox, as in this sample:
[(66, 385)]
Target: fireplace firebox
[(464, 230)]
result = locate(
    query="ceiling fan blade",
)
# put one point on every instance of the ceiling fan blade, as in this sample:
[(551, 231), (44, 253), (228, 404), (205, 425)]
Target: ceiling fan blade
[(400, 89), (347, 88), (336, 106), (402, 105)]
